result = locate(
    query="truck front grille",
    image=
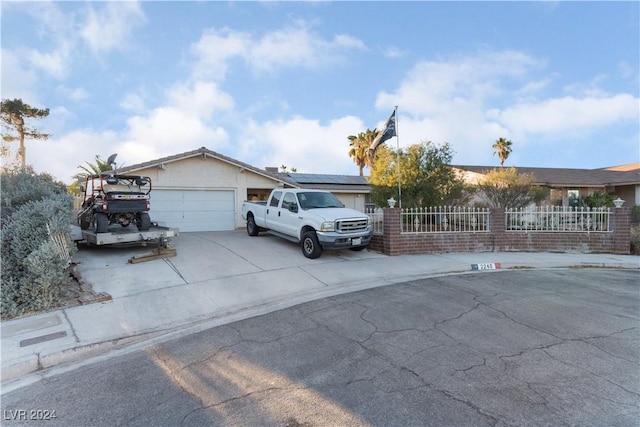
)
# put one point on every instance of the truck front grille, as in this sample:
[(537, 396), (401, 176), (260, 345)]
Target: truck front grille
[(351, 225)]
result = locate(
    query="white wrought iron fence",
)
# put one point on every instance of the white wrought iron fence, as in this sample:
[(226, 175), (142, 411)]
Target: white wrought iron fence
[(445, 219), (377, 219), (558, 218)]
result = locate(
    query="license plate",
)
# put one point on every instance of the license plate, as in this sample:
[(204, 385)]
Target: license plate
[(356, 241)]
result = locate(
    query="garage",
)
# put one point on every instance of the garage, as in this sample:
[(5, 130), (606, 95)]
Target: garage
[(194, 210)]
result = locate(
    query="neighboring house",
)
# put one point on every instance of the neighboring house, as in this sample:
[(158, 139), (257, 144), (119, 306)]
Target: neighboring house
[(202, 190), (568, 185)]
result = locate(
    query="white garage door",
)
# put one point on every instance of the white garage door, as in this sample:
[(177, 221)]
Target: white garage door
[(194, 210)]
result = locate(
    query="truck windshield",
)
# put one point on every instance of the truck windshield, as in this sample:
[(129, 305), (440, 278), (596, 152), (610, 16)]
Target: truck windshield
[(317, 199)]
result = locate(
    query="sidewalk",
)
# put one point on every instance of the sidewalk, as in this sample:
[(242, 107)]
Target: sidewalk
[(213, 281)]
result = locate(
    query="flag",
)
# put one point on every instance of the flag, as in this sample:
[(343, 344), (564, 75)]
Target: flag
[(387, 132)]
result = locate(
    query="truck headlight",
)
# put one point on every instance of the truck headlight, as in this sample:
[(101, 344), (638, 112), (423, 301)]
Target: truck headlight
[(328, 226)]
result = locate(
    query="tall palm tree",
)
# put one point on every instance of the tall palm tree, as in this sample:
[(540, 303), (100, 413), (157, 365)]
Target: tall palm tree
[(359, 148), (502, 148)]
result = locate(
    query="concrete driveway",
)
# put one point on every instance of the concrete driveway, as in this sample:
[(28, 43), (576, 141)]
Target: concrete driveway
[(212, 257)]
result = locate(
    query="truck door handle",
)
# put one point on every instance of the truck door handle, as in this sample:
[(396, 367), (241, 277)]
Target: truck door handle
[(278, 213), (267, 210)]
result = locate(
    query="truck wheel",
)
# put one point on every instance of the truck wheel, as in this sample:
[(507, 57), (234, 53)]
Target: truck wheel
[(100, 223), (145, 221), (252, 228), (310, 246), (85, 221)]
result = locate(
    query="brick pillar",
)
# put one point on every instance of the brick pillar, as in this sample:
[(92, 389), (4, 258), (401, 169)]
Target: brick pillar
[(497, 224), (621, 230), (391, 230)]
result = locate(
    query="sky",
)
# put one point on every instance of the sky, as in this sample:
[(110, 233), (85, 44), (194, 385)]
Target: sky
[(285, 83)]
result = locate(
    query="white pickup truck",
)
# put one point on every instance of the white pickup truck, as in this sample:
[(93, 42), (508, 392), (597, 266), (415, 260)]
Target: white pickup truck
[(315, 219)]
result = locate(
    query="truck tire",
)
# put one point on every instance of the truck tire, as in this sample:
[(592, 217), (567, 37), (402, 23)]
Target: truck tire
[(252, 228), (310, 246), (145, 221), (100, 223), (85, 221)]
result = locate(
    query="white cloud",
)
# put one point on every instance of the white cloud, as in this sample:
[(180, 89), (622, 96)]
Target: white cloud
[(569, 114), (75, 94), (17, 81), (167, 131), (55, 30), (61, 154), (55, 62), (471, 101), (626, 71), (133, 102), (291, 47), (303, 143), (393, 52), (199, 99), (433, 86), (110, 26), (215, 48), (298, 47)]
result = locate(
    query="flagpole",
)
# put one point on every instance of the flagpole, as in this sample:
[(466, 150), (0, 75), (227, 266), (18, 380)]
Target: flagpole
[(395, 112)]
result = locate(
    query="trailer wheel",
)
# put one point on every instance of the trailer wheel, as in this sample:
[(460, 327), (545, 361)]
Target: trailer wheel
[(310, 246), (252, 228), (100, 223), (145, 221)]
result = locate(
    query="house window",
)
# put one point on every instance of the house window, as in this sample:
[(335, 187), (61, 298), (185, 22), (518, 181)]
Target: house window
[(574, 197)]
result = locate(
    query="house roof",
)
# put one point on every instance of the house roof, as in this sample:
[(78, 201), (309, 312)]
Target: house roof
[(203, 151), (558, 177), (344, 183), (628, 174)]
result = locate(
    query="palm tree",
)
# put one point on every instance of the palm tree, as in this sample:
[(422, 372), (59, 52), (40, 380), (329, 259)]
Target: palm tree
[(93, 168), (359, 150), (502, 148), (88, 170)]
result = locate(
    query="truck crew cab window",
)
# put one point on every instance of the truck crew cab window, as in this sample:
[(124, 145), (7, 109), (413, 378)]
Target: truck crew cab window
[(289, 201), (275, 198)]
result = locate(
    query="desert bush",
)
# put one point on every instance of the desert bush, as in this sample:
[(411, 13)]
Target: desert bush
[(506, 188), (34, 269), (22, 185)]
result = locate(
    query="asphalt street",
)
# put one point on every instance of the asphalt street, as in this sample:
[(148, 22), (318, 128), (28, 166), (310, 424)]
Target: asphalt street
[(512, 347)]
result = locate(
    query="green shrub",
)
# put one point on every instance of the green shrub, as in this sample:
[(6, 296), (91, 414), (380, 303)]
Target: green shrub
[(22, 185), (34, 268), (598, 200)]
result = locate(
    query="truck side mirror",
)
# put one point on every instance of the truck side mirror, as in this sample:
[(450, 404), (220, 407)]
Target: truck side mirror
[(293, 208)]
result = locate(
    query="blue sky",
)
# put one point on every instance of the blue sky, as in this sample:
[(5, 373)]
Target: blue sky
[(285, 83)]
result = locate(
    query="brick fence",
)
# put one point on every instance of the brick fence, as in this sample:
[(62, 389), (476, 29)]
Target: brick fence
[(393, 241)]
